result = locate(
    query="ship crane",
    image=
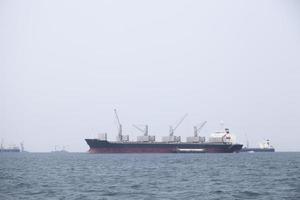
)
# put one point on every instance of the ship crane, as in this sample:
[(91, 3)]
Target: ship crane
[(172, 138), (119, 126), (146, 137), (198, 129), (145, 130), (172, 130), (196, 138), (121, 137)]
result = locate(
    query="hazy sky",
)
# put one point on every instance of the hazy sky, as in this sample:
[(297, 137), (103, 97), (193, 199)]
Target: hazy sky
[(65, 65)]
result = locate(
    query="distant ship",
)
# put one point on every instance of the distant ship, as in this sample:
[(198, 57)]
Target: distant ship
[(57, 150), (219, 142), (11, 148), (263, 147)]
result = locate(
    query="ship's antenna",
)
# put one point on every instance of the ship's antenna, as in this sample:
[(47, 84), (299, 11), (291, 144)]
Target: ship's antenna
[(119, 125), (222, 124), (22, 146), (145, 130), (197, 130), (172, 130)]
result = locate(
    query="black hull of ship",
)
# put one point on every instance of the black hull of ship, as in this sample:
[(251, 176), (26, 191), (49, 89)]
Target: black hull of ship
[(10, 151), (101, 146), (257, 150)]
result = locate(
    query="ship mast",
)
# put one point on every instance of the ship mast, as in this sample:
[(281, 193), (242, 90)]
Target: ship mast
[(22, 146), (247, 141), (2, 146)]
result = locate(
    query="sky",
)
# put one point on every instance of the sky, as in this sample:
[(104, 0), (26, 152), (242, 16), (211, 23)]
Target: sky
[(66, 64)]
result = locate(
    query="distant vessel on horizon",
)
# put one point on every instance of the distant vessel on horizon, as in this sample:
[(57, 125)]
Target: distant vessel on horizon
[(57, 150), (11, 148), (263, 147)]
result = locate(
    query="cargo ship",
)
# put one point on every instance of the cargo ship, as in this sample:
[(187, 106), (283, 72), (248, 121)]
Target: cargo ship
[(263, 147), (219, 142)]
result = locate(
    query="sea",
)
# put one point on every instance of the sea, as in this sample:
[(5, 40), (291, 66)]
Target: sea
[(83, 176)]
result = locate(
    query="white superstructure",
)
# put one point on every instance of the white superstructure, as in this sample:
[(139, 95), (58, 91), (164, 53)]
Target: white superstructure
[(266, 145), (222, 137)]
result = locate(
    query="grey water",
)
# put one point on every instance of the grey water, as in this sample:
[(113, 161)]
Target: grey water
[(149, 176)]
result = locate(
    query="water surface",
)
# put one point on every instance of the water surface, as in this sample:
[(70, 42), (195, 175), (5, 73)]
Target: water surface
[(149, 176)]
